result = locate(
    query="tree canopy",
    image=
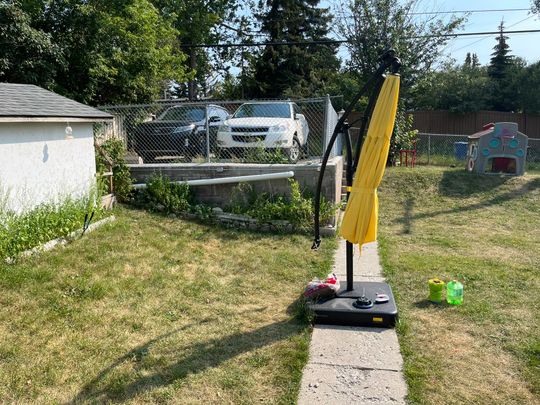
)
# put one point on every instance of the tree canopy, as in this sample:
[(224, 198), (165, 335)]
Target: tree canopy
[(293, 70), (93, 51)]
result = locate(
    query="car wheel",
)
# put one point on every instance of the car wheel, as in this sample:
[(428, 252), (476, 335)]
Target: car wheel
[(293, 153)]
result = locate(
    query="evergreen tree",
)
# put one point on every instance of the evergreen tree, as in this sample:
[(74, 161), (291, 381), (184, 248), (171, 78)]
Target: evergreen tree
[(293, 70), (500, 58), (503, 92)]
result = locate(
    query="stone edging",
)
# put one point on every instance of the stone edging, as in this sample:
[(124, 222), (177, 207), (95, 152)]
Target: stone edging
[(239, 221)]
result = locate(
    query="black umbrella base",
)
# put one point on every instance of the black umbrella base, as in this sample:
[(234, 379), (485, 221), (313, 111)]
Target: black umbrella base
[(368, 304)]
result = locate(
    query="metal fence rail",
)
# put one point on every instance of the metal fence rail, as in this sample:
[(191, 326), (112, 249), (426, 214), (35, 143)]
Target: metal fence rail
[(447, 149), (259, 131)]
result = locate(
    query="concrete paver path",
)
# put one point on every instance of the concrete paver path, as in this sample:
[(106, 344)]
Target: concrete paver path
[(354, 365)]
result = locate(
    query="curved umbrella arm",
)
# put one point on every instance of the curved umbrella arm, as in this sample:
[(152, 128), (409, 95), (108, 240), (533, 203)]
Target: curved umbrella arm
[(388, 59)]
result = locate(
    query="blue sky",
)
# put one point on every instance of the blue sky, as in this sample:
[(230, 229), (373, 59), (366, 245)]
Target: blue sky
[(526, 46)]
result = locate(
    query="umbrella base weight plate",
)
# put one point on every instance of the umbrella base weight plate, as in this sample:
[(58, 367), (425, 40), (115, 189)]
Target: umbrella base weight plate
[(344, 309)]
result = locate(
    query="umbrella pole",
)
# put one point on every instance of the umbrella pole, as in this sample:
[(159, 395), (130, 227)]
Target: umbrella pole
[(349, 177)]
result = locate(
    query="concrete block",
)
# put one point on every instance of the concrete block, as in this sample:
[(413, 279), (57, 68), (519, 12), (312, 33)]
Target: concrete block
[(362, 347), (338, 385)]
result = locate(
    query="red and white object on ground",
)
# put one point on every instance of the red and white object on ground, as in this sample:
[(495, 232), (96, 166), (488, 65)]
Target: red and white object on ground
[(322, 288)]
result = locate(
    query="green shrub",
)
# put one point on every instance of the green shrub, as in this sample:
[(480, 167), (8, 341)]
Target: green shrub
[(161, 194), (20, 232), (297, 208), (122, 181), (260, 154)]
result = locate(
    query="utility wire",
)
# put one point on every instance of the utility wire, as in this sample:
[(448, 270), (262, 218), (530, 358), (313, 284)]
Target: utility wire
[(482, 39), (347, 15), (470, 11), (343, 41)]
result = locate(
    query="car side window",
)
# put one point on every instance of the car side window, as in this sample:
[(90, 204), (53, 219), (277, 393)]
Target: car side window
[(296, 109), (223, 114)]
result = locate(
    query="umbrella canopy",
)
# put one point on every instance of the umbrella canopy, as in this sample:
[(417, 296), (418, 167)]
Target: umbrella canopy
[(361, 216)]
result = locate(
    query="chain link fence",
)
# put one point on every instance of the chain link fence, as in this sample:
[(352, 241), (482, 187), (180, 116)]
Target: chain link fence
[(259, 131), (447, 150)]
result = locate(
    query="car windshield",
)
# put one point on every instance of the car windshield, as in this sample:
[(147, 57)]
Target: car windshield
[(277, 110), (189, 114)]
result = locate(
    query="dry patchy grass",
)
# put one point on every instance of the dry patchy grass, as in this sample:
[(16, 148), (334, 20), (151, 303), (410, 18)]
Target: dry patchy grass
[(157, 310), (485, 232)]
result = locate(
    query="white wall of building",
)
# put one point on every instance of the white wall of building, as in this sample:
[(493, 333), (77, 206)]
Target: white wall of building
[(38, 164)]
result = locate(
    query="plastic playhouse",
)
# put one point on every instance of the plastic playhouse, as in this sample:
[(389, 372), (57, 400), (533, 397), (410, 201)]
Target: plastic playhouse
[(498, 149)]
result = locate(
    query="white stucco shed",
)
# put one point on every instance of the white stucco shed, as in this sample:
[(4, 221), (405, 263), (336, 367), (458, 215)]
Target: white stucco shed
[(46, 146)]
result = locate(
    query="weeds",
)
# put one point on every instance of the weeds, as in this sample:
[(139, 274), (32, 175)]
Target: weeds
[(20, 232)]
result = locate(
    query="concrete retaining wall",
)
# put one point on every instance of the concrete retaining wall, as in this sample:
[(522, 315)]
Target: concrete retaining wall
[(218, 195)]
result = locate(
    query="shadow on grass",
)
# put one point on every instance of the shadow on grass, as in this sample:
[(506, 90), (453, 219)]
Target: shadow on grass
[(425, 303), (408, 206), (463, 184), (526, 188), (197, 358)]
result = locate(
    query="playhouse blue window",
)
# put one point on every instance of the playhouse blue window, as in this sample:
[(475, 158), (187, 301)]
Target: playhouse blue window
[(514, 143), (485, 152), (494, 143), (520, 153)]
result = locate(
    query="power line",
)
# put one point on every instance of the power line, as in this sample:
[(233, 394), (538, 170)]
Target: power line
[(482, 39), (470, 11), (347, 15), (343, 41)]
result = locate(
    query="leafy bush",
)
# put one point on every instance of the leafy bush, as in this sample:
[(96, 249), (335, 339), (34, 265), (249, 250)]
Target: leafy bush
[(297, 208), (161, 194), (20, 232), (260, 154), (122, 181), (404, 135)]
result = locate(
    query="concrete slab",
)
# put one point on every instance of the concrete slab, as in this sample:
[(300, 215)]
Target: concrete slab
[(362, 347), (354, 365), (366, 266), (329, 385)]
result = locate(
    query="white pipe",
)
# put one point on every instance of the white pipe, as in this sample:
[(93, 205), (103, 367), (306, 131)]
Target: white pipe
[(225, 180)]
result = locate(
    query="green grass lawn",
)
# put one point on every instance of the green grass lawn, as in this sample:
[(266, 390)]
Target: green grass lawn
[(151, 309), (485, 232)]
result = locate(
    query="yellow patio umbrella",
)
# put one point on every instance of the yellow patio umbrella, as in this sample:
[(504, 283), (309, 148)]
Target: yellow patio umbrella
[(361, 216)]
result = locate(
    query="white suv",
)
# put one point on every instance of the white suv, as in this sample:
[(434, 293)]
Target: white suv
[(271, 125)]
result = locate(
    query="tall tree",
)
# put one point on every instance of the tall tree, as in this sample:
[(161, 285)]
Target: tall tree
[(27, 54), (293, 70), (95, 51), (372, 26), (502, 71), (198, 22)]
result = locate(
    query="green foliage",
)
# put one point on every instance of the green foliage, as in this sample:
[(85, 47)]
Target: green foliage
[(161, 194), (122, 181), (293, 70), (297, 208), (95, 52), (506, 84), (260, 154), (502, 72), (454, 88), (530, 102), (20, 232), (27, 54), (374, 26), (404, 136)]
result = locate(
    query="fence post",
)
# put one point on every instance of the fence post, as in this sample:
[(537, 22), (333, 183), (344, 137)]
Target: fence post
[(207, 125), (428, 148), (325, 125)]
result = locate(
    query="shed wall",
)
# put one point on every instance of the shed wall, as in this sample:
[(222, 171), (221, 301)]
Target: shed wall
[(38, 164)]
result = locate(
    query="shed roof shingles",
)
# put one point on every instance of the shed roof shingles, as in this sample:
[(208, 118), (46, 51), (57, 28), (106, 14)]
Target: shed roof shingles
[(27, 100)]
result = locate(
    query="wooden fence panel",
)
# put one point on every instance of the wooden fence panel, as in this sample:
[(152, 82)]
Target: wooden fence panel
[(446, 122)]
